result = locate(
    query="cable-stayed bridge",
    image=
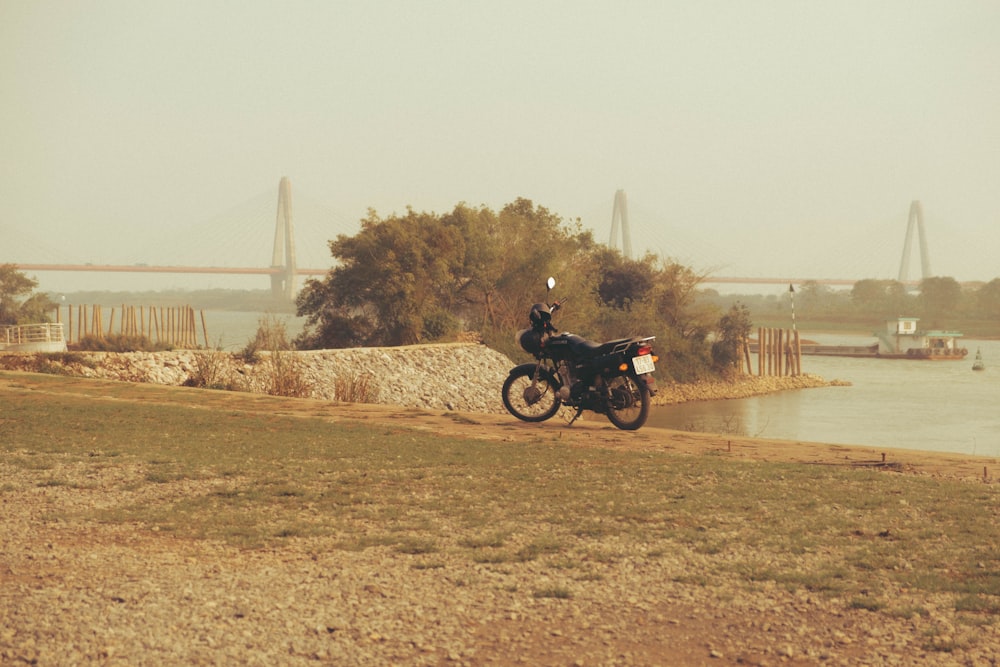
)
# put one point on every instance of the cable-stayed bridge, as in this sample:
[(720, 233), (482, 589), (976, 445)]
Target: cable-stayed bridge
[(233, 243)]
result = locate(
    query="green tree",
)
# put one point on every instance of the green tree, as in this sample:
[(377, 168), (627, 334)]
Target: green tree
[(19, 304), (885, 298), (419, 277), (509, 255), (988, 300), (733, 331), (393, 286), (939, 298), (623, 281)]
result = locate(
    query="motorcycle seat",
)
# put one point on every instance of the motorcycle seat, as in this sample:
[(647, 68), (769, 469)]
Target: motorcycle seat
[(588, 348)]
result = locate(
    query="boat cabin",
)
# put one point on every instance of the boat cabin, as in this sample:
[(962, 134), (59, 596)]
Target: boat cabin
[(903, 338)]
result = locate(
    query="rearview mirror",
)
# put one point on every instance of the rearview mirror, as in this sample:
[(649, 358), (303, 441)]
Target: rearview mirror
[(551, 282)]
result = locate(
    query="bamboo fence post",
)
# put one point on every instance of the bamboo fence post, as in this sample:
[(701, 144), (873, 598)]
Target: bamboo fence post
[(760, 351), (789, 352), (111, 322), (779, 349), (775, 352), (770, 351), (798, 354), (70, 313), (81, 314), (746, 356), (767, 347), (204, 329), (154, 321), (783, 351)]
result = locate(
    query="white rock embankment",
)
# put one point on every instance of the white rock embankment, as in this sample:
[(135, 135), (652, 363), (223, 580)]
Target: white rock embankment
[(464, 377)]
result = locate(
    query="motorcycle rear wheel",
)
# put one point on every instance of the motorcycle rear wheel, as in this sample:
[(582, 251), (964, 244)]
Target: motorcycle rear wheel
[(530, 402), (628, 402)]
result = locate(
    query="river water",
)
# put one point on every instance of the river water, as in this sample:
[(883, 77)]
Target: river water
[(931, 405), (940, 406)]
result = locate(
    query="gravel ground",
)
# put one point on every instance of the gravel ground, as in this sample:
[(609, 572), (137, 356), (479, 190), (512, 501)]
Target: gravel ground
[(93, 594), (87, 593), (80, 592)]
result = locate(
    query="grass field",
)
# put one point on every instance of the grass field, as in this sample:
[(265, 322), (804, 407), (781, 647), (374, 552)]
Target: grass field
[(256, 479)]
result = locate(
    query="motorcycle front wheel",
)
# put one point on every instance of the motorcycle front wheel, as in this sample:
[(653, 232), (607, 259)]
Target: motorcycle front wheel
[(627, 402), (527, 400)]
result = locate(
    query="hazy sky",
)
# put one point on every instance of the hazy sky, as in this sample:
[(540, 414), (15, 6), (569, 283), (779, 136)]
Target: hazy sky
[(752, 138)]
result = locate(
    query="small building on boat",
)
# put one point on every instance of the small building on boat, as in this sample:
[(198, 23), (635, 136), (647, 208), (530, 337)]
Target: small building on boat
[(903, 339)]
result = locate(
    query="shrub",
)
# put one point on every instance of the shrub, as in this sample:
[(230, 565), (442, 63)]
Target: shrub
[(281, 371), (355, 389), (119, 343)]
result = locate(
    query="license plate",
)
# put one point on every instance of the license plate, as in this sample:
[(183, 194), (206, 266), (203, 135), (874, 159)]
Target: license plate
[(643, 364)]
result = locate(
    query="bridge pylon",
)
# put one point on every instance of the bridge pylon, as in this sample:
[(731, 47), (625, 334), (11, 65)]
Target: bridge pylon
[(915, 221), (619, 220), (283, 255)]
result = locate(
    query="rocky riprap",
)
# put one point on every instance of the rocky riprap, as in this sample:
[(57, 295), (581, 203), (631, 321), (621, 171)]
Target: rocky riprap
[(462, 377)]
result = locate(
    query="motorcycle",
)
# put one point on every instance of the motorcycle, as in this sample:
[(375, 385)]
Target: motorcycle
[(613, 378)]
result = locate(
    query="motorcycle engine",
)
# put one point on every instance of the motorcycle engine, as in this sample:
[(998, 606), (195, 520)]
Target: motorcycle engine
[(566, 375)]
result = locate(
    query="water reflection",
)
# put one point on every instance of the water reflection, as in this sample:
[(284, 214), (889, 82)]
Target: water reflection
[(939, 406)]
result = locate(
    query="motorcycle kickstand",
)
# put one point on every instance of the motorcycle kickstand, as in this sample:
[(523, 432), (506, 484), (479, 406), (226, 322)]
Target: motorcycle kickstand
[(579, 411)]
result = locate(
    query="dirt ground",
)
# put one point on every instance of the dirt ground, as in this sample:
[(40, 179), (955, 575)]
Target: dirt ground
[(667, 624)]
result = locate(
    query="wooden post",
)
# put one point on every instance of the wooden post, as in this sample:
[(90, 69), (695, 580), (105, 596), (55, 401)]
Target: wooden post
[(746, 356), (775, 352), (204, 330), (770, 350), (111, 322), (760, 351), (798, 354), (70, 331)]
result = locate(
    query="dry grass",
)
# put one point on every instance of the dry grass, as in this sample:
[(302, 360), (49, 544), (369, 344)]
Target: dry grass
[(254, 479)]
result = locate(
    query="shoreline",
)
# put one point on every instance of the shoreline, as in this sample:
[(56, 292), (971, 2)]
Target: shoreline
[(587, 432), (745, 386)]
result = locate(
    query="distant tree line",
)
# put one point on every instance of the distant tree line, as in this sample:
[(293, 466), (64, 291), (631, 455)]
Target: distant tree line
[(425, 277), (940, 302)]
